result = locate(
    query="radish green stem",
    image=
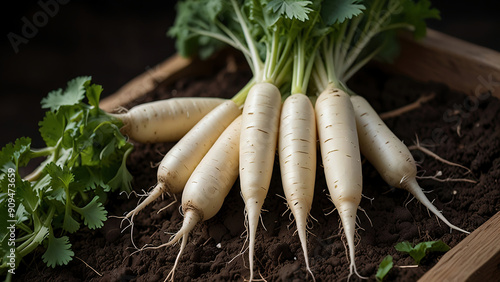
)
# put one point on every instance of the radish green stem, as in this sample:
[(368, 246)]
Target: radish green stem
[(257, 64)]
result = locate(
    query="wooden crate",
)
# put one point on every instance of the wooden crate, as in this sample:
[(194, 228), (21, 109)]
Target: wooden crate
[(462, 66)]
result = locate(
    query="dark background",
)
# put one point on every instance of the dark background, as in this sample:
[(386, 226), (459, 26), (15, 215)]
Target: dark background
[(114, 41)]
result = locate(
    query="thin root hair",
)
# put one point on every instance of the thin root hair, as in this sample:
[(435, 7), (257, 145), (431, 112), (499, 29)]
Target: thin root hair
[(448, 179), (406, 201), (154, 165), (261, 278), (159, 153), (181, 211), (417, 146), (128, 194), (290, 224), (366, 214), (262, 221), (310, 232), (167, 206), (309, 223), (357, 224), (242, 251), (368, 198), (245, 223), (330, 212), (120, 110)]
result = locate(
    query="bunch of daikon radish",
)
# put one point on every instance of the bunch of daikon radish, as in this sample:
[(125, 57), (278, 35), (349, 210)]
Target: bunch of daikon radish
[(287, 45)]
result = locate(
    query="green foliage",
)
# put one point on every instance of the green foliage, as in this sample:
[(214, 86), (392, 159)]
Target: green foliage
[(194, 16), (384, 268), (58, 251), (73, 94), (419, 251), (291, 8), (85, 157), (337, 11)]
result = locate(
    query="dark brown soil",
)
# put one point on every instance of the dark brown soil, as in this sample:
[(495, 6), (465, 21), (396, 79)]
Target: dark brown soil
[(458, 128)]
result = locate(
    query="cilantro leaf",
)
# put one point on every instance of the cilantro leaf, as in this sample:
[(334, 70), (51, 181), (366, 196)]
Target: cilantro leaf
[(291, 8), (419, 251), (384, 268), (60, 177), (93, 93), (27, 196), (337, 11), (70, 224), (58, 251), (123, 179), (52, 127), (15, 155), (73, 94), (93, 213)]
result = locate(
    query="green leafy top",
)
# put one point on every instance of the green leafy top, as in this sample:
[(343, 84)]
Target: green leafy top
[(262, 30), (364, 30), (84, 158)]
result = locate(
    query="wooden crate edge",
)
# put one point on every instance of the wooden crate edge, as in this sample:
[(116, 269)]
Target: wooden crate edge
[(463, 66), (476, 258)]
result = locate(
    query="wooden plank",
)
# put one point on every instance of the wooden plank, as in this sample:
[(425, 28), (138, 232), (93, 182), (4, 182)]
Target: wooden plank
[(476, 258), (461, 65)]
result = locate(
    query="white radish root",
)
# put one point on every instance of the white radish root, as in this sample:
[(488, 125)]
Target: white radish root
[(341, 160), (259, 136), (166, 120), (297, 156), (180, 162), (390, 157), (209, 185)]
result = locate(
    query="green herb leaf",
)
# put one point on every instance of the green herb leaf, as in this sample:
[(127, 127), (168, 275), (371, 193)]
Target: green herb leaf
[(52, 128), (93, 94), (123, 178), (15, 155), (70, 224), (337, 11), (421, 249), (27, 196), (93, 213), (384, 268), (73, 94), (58, 251), (297, 9), (60, 177)]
